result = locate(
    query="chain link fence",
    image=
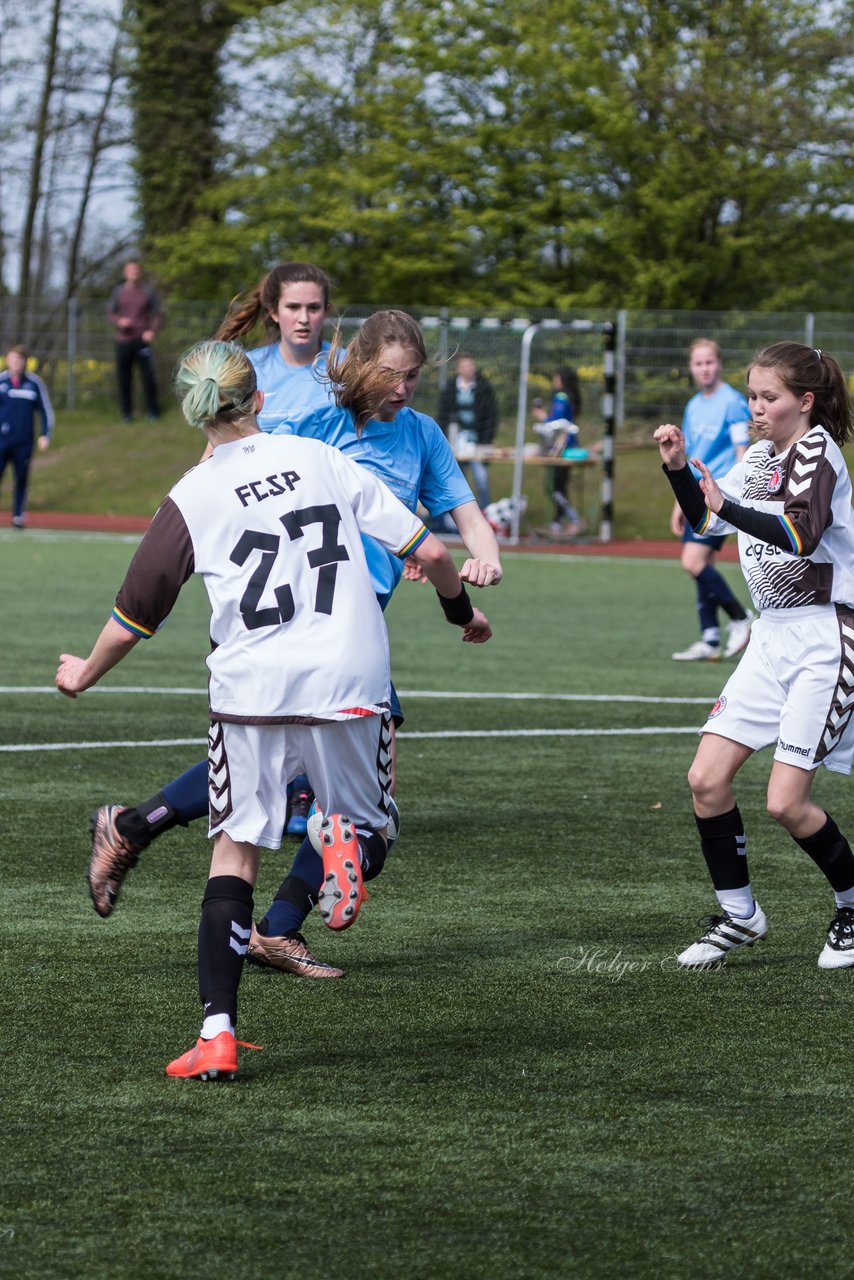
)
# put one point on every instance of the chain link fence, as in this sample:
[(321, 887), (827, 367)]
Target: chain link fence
[(73, 347), (72, 344)]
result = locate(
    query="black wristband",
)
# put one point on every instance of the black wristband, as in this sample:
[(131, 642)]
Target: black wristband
[(457, 609)]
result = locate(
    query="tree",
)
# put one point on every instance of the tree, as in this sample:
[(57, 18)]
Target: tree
[(718, 151), (653, 153), (177, 96), (40, 139), (59, 144)]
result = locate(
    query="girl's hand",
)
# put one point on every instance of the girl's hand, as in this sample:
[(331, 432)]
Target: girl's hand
[(671, 446), (711, 492), (72, 675), (481, 574), (412, 571), (478, 631)]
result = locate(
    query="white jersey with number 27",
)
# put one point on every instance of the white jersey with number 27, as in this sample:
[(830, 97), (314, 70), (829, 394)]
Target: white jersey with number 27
[(272, 524)]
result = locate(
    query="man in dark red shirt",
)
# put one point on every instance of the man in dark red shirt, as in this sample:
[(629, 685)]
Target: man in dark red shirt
[(135, 311)]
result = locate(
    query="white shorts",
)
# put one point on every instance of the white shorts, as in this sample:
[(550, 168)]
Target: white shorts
[(249, 766), (794, 686)]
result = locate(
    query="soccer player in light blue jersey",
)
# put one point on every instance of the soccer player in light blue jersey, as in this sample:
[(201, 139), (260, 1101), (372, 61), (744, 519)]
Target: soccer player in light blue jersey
[(293, 299), (371, 421), (715, 425)]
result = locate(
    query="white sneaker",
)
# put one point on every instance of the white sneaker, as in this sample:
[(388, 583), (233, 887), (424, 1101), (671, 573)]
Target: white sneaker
[(738, 634), (838, 951), (699, 651), (723, 935)]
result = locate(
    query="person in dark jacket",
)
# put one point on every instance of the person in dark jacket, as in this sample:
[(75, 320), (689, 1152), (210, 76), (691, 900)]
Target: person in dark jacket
[(468, 404), (135, 311), (22, 395)]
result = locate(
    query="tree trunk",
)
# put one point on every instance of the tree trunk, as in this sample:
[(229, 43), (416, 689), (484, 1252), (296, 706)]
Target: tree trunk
[(42, 129), (93, 156)]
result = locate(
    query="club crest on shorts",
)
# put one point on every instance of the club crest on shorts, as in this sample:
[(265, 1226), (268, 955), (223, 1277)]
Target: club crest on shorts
[(775, 481), (719, 706)]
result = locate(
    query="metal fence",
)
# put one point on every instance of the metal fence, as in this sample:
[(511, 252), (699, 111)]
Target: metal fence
[(72, 343), (630, 382)]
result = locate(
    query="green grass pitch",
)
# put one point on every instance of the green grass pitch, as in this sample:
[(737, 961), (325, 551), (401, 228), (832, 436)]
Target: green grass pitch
[(512, 1080)]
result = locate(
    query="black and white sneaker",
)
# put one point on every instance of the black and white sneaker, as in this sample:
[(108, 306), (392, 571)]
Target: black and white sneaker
[(723, 934), (838, 951)]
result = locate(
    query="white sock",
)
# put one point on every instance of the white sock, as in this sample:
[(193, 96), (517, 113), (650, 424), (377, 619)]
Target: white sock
[(215, 1024), (737, 903), (846, 898)]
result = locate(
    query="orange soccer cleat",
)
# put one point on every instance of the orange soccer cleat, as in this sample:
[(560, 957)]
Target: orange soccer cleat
[(342, 892), (214, 1059)]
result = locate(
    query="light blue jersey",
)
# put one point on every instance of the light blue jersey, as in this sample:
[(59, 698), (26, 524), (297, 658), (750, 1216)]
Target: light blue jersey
[(290, 390), (410, 454), (715, 426)]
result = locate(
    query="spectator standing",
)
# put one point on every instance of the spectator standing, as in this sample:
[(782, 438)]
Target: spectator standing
[(22, 395), (135, 311), (468, 403)]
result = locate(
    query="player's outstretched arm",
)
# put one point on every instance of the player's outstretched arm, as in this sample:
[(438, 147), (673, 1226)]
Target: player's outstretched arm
[(438, 567), (74, 675), (483, 568), (671, 446), (434, 560)]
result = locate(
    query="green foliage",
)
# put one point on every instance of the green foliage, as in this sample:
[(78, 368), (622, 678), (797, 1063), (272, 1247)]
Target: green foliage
[(640, 154), (177, 98)]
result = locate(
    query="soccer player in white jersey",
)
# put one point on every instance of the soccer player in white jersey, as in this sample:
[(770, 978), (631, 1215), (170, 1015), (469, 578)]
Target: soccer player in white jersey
[(293, 301), (299, 670), (789, 500), (715, 425)]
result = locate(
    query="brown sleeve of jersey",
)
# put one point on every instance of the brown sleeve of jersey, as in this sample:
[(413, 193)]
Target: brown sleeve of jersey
[(810, 483), (163, 562)]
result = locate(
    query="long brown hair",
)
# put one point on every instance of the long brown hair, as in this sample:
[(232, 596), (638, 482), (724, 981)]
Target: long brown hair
[(247, 308), (802, 369), (358, 383)]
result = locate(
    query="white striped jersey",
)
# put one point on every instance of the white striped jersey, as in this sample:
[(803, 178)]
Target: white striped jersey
[(808, 490), (272, 524)]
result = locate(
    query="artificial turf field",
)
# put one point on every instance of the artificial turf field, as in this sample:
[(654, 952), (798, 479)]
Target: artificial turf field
[(513, 1080)]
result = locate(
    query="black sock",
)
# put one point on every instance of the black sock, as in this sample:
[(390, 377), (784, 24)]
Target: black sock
[(372, 852), (831, 853), (223, 937), (724, 846), (144, 822)]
